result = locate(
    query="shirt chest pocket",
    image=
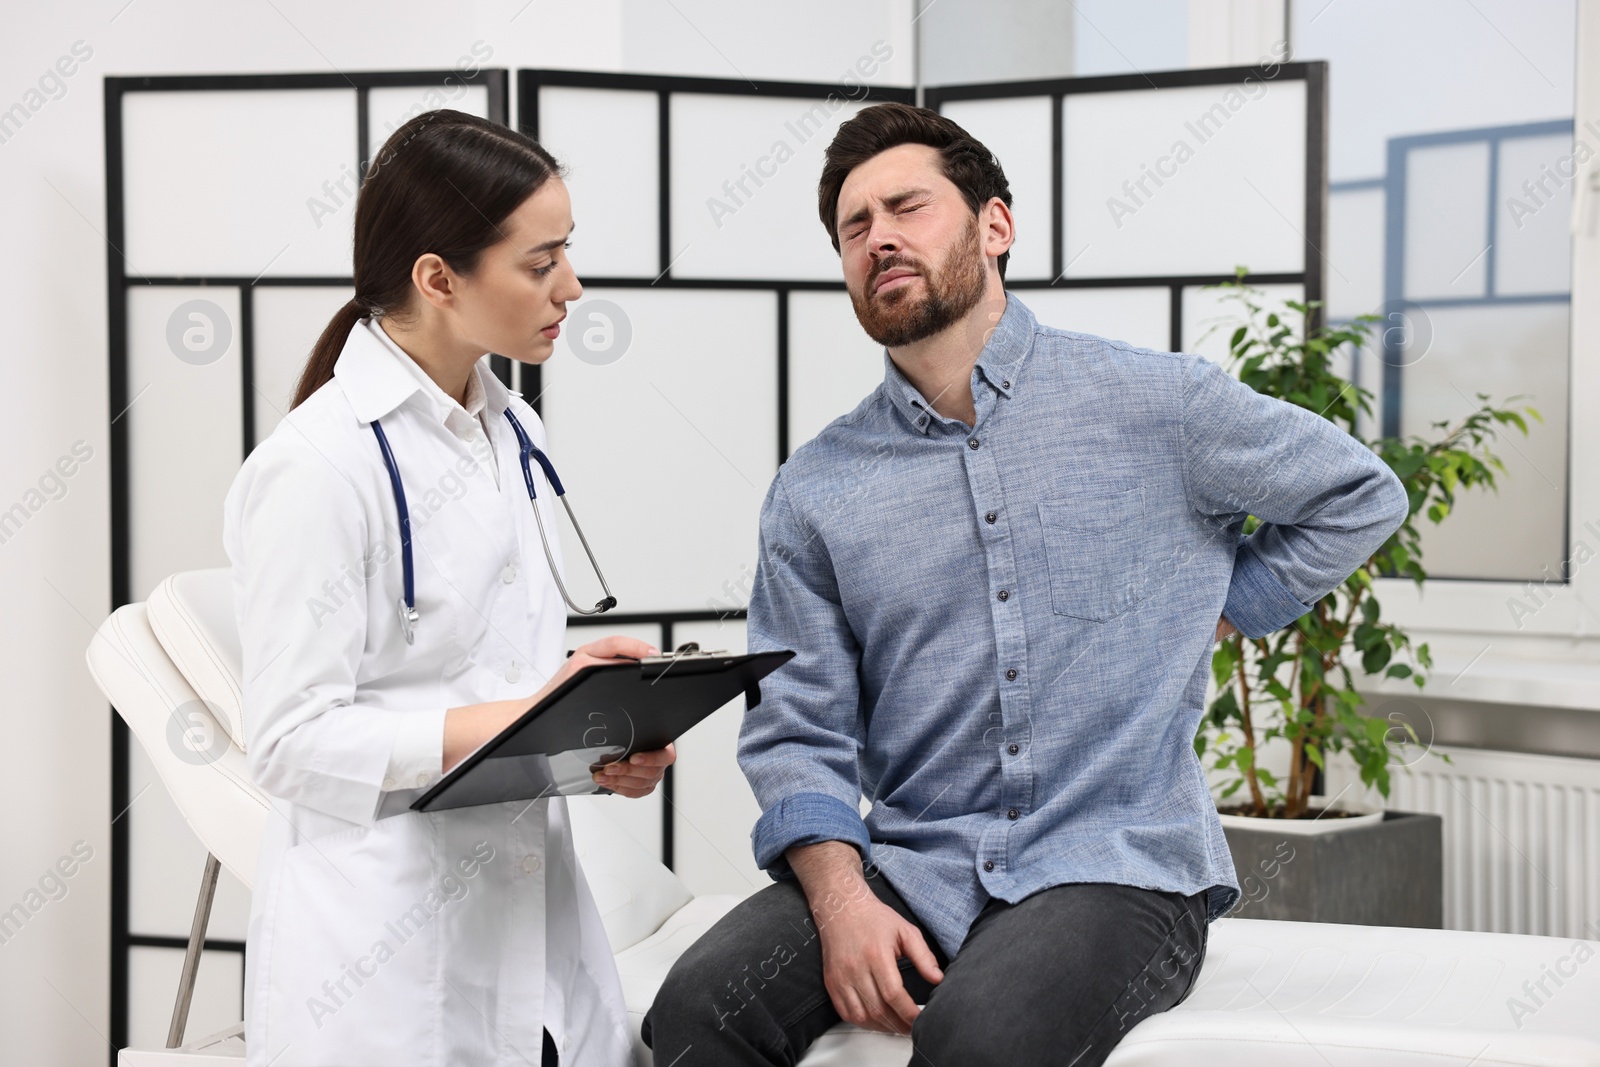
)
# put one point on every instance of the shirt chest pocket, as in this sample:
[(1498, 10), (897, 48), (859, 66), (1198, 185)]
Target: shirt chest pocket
[(1092, 544)]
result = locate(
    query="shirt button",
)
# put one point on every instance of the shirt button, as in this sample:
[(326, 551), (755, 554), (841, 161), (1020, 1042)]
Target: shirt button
[(1013, 748), (423, 779), (508, 573), (388, 783), (988, 865), (512, 674), (530, 863), (1011, 674), (1005, 385), (990, 518), (972, 442), (1003, 595), (1013, 813)]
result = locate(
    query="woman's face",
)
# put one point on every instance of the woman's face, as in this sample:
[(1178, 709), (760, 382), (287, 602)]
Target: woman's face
[(514, 302)]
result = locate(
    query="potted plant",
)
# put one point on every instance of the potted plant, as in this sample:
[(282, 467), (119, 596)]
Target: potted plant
[(1297, 689)]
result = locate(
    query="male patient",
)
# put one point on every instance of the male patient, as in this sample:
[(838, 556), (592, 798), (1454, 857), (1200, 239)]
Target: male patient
[(1003, 574)]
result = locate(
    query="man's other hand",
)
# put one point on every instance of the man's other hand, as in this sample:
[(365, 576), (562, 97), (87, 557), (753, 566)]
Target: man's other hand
[(862, 940)]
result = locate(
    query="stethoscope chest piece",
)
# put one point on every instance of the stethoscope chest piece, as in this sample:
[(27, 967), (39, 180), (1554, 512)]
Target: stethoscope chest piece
[(408, 621)]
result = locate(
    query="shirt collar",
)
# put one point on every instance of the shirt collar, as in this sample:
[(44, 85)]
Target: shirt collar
[(378, 376), (999, 364)]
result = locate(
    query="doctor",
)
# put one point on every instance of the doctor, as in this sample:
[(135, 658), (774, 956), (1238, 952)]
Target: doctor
[(381, 935)]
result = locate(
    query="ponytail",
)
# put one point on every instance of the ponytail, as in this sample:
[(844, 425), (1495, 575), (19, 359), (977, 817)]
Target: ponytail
[(325, 353), (444, 182)]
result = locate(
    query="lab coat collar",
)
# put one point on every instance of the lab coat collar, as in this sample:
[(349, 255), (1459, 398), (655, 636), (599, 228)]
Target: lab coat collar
[(376, 382)]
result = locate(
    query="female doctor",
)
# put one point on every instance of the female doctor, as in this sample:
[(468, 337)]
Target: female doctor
[(381, 935)]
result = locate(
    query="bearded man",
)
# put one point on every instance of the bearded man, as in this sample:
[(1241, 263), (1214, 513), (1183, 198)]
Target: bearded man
[(1003, 574)]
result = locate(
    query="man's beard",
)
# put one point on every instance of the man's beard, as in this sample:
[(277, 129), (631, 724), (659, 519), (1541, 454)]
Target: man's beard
[(896, 318)]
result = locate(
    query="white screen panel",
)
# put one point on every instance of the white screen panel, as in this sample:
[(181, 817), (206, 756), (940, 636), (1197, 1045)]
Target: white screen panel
[(1447, 220), (1139, 316), (608, 140), (1533, 244), (1505, 350), (165, 862), (272, 172), (1018, 133), (714, 807), (744, 186), (288, 321), (833, 364), (667, 452), (390, 108), (1209, 319), (1231, 171), (184, 428), (153, 985), (1354, 272)]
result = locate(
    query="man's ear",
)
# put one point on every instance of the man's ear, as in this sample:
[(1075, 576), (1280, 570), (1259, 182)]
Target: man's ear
[(996, 228)]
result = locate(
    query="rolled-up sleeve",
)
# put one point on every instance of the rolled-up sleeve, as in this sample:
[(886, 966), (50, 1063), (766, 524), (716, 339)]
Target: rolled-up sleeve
[(1326, 502), (798, 746), (298, 541)]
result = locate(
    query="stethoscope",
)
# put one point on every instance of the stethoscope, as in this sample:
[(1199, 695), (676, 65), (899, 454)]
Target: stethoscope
[(408, 601)]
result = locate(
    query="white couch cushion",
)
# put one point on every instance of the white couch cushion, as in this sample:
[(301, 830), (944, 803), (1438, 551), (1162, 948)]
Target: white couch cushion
[(634, 893), (1295, 994)]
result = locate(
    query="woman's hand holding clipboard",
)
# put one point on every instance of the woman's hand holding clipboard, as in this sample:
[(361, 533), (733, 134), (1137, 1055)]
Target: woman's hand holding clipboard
[(599, 711)]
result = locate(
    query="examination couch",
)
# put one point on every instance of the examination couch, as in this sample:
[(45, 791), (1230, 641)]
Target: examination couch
[(1285, 994)]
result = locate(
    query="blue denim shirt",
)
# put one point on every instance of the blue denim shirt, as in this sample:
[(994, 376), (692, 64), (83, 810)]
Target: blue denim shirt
[(1004, 631)]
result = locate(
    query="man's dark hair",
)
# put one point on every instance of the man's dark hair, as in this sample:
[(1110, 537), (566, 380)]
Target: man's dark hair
[(970, 166)]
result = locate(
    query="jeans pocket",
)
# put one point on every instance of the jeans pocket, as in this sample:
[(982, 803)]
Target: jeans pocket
[(1091, 545)]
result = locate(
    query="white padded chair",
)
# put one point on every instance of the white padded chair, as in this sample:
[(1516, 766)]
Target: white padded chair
[(1285, 994)]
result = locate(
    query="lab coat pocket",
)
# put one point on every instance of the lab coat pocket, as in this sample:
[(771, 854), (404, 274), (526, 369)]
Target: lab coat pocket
[(354, 948), (1092, 548)]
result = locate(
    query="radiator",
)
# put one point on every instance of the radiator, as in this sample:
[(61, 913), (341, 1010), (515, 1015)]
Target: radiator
[(1521, 837)]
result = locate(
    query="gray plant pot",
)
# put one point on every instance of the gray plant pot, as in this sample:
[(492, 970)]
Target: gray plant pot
[(1388, 873)]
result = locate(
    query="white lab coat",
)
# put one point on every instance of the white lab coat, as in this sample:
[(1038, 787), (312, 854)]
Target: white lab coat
[(379, 935)]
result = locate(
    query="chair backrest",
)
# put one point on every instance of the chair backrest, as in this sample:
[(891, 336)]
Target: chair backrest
[(181, 731), (192, 615), (172, 668)]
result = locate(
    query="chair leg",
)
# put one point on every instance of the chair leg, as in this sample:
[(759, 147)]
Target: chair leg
[(191, 957)]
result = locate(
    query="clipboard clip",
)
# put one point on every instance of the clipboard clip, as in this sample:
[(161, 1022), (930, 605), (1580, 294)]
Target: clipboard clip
[(689, 652)]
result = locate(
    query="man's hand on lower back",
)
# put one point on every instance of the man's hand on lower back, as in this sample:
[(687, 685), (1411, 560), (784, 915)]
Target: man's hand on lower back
[(1225, 629), (862, 940)]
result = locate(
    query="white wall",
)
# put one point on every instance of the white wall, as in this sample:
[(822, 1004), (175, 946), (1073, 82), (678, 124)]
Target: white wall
[(55, 568)]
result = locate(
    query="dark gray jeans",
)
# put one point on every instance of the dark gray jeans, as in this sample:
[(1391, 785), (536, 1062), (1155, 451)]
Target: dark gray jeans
[(1057, 978)]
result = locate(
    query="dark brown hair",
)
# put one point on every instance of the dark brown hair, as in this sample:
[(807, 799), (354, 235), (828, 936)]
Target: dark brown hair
[(970, 166), (444, 183)]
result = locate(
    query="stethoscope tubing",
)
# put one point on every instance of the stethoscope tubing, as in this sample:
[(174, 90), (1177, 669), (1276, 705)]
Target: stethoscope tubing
[(527, 450)]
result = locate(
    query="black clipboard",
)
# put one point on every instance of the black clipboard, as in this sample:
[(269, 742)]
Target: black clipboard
[(602, 714)]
